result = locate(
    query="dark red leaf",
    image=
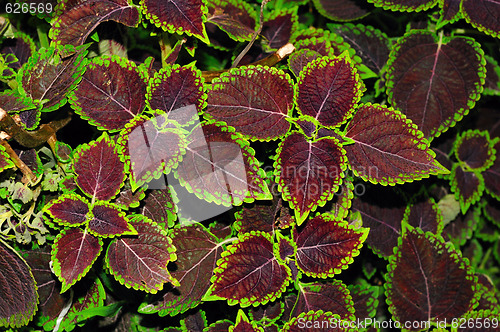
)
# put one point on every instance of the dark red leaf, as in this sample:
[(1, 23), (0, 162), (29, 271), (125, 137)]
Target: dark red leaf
[(111, 93), (340, 10), (467, 186), (325, 246), (236, 18), (267, 313), (332, 297), (405, 5), (79, 18), (173, 88), (384, 224), (177, 16), (19, 299), (427, 280), (435, 83), (160, 207), (450, 11), (388, 148), (22, 46), (48, 79), (93, 297), (51, 301), (372, 45), (492, 175), (475, 149), (286, 248), (99, 171), (492, 84), (11, 101), (129, 199), (483, 14), (219, 166), (278, 28), (68, 210), (140, 262), (256, 101), (365, 300), (328, 90), (249, 273), (73, 253), (425, 215), (108, 221), (461, 229), (259, 216), (299, 59), (197, 254), (152, 148)]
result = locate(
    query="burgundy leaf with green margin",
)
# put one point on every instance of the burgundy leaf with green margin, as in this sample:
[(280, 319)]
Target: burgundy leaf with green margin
[(333, 296), (140, 262), (178, 16), (174, 87), (475, 149), (259, 216), (51, 301), (328, 89), (340, 10), (435, 83), (325, 246), (365, 300), (483, 14), (21, 46), (278, 27), (460, 230), (219, 166), (79, 18), (235, 17), (109, 221), (99, 172), (129, 199), (159, 206), (73, 253), (405, 5), (68, 210), (384, 224), (12, 101), (111, 93), (248, 272), (19, 299), (197, 255), (372, 45), (425, 215), (299, 59), (492, 175), (256, 101), (468, 186), (47, 78), (388, 148), (450, 11), (93, 298), (151, 147), (428, 280)]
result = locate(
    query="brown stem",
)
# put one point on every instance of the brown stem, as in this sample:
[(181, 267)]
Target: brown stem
[(254, 37), (30, 139), (28, 175), (270, 61)]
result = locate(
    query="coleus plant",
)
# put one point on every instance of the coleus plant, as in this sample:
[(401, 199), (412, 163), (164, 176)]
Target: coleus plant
[(357, 138)]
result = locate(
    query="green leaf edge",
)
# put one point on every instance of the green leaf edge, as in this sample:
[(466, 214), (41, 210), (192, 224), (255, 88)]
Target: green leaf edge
[(104, 61), (62, 198), (472, 99), (476, 25), (171, 249), (56, 267), (435, 208), (418, 137), (77, 153), (450, 249), (170, 28), (491, 149), (346, 261), (222, 265), (121, 214), (476, 195), (391, 5), (240, 5), (233, 73)]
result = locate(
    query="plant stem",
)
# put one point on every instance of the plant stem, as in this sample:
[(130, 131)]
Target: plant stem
[(267, 61), (254, 37), (28, 176), (30, 139)]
